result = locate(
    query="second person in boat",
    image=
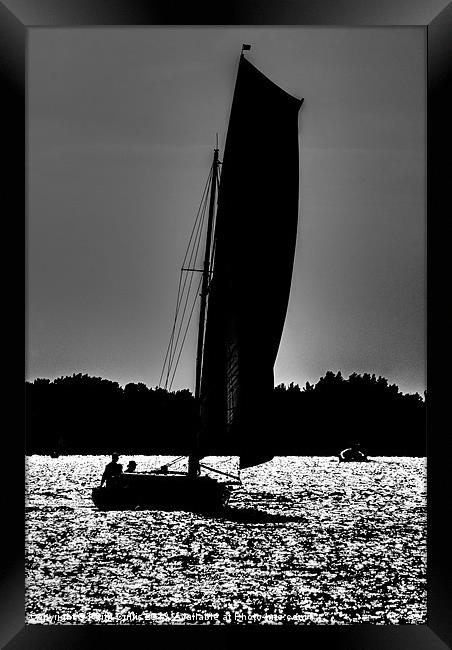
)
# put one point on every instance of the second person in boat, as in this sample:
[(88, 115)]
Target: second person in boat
[(131, 467)]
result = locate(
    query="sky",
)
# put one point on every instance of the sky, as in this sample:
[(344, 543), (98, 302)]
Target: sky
[(121, 131)]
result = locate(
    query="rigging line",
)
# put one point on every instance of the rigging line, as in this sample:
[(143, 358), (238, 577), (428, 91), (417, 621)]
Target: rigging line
[(169, 349), (171, 337), (180, 276), (192, 260), (176, 460), (173, 345), (212, 255), (174, 329), (187, 324), (198, 212), (194, 250), (195, 245), (173, 350), (196, 230), (217, 471), (196, 225), (185, 334), (179, 299), (187, 299), (186, 330)]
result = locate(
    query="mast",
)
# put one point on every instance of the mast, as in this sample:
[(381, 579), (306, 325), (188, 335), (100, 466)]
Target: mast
[(205, 275), (193, 461)]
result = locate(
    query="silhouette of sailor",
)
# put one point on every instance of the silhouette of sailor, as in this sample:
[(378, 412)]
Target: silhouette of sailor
[(112, 472)]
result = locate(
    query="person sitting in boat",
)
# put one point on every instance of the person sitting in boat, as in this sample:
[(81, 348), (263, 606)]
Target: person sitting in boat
[(131, 467), (112, 472), (353, 453)]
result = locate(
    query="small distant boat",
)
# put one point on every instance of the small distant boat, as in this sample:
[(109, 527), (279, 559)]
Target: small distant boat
[(249, 254), (352, 454), (54, 454)]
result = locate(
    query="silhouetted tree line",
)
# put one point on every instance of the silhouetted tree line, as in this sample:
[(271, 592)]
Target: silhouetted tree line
[(335, 412), (83, 414), (91, 415)]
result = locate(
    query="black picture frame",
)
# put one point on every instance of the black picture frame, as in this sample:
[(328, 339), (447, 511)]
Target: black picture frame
[(17, 17)]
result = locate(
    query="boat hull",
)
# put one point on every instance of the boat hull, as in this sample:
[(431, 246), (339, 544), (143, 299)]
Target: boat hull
[(162, 492)]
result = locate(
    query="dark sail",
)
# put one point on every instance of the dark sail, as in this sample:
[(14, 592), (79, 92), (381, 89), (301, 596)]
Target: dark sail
[(254, 246)]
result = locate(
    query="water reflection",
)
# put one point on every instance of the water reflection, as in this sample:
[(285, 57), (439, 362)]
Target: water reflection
[(305, 539)]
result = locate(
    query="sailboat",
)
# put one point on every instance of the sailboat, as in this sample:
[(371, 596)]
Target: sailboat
[(249, 253)]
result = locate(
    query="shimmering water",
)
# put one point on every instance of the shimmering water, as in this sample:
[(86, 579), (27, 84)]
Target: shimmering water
[(336, 544)]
